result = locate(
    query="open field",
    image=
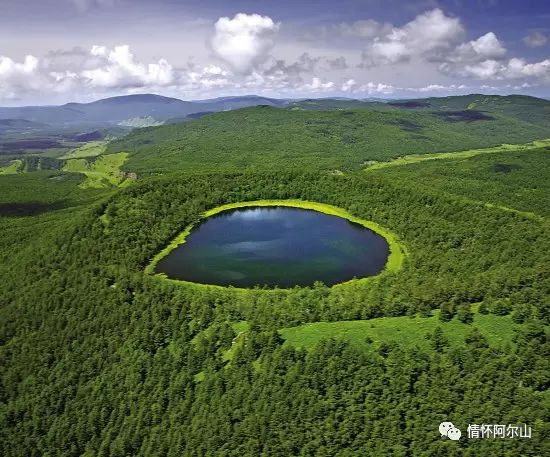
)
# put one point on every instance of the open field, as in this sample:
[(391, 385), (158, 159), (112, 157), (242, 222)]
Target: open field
[(101, 172), (414, 158), (409, 332), (12, 168), (91, 149)]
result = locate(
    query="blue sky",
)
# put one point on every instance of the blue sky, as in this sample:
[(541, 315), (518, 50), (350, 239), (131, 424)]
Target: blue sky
[(54, 51)]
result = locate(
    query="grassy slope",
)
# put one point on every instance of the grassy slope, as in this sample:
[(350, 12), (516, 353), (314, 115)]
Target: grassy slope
[(12, 168), (271, 138), (92, 149), (414, 158), (101, 170), (100, 173), (499, 331)]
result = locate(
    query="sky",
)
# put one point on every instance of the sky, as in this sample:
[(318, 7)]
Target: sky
[(58, 51)]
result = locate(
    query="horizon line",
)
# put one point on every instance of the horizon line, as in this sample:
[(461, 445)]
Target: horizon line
[(334, 97)]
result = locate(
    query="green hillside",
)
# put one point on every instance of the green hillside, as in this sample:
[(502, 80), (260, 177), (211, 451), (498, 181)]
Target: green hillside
[(100, 358), (517, 179), (529, 109), (274, 138)]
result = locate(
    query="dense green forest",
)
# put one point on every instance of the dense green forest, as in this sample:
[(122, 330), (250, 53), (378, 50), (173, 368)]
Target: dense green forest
[(345, 139), (98, 358), (517, 180)]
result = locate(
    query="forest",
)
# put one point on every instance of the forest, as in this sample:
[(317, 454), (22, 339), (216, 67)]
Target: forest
[(346, 137), (100, 358)]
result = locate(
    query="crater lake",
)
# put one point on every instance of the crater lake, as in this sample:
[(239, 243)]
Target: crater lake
[(275, 246)]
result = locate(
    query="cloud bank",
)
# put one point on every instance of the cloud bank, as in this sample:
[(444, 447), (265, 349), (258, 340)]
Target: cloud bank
[(245, 56)]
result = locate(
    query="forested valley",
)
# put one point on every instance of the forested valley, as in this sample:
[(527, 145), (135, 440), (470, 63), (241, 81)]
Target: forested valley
[(100, 359)]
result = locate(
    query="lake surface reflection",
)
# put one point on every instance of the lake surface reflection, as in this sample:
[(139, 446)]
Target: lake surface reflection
[(275, 246)]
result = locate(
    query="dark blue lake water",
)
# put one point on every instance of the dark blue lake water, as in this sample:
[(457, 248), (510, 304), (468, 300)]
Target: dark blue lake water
[(275, 246)]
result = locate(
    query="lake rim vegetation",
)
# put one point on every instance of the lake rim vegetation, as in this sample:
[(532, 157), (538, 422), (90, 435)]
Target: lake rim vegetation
[(397, 250)]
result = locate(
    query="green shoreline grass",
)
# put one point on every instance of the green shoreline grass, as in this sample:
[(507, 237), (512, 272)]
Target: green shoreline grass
[(396, 258), (414, 158)]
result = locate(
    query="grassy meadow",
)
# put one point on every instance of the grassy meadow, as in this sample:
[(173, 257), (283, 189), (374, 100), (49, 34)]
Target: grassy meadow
[(408, 331)]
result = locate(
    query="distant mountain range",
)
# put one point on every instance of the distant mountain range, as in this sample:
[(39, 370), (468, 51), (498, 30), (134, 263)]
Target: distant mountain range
[(128, 108), (131, 111)]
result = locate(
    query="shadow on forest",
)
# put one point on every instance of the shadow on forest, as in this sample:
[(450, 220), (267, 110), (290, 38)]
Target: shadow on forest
[(28, 208), (410, 104), (463, 116)]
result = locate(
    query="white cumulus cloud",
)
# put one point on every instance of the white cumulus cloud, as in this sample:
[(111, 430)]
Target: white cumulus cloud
[(486, 47), (428, 33), (519, 68), (209, 77), (16, 77), (120, 69), (10, 68), (244, 41), (317, 85), (349, 85), (99, 68), (376, 88), (438, 88), (513, 69)]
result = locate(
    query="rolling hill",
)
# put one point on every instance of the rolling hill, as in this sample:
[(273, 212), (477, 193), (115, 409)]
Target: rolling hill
[(19, 125), (266, 137)]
